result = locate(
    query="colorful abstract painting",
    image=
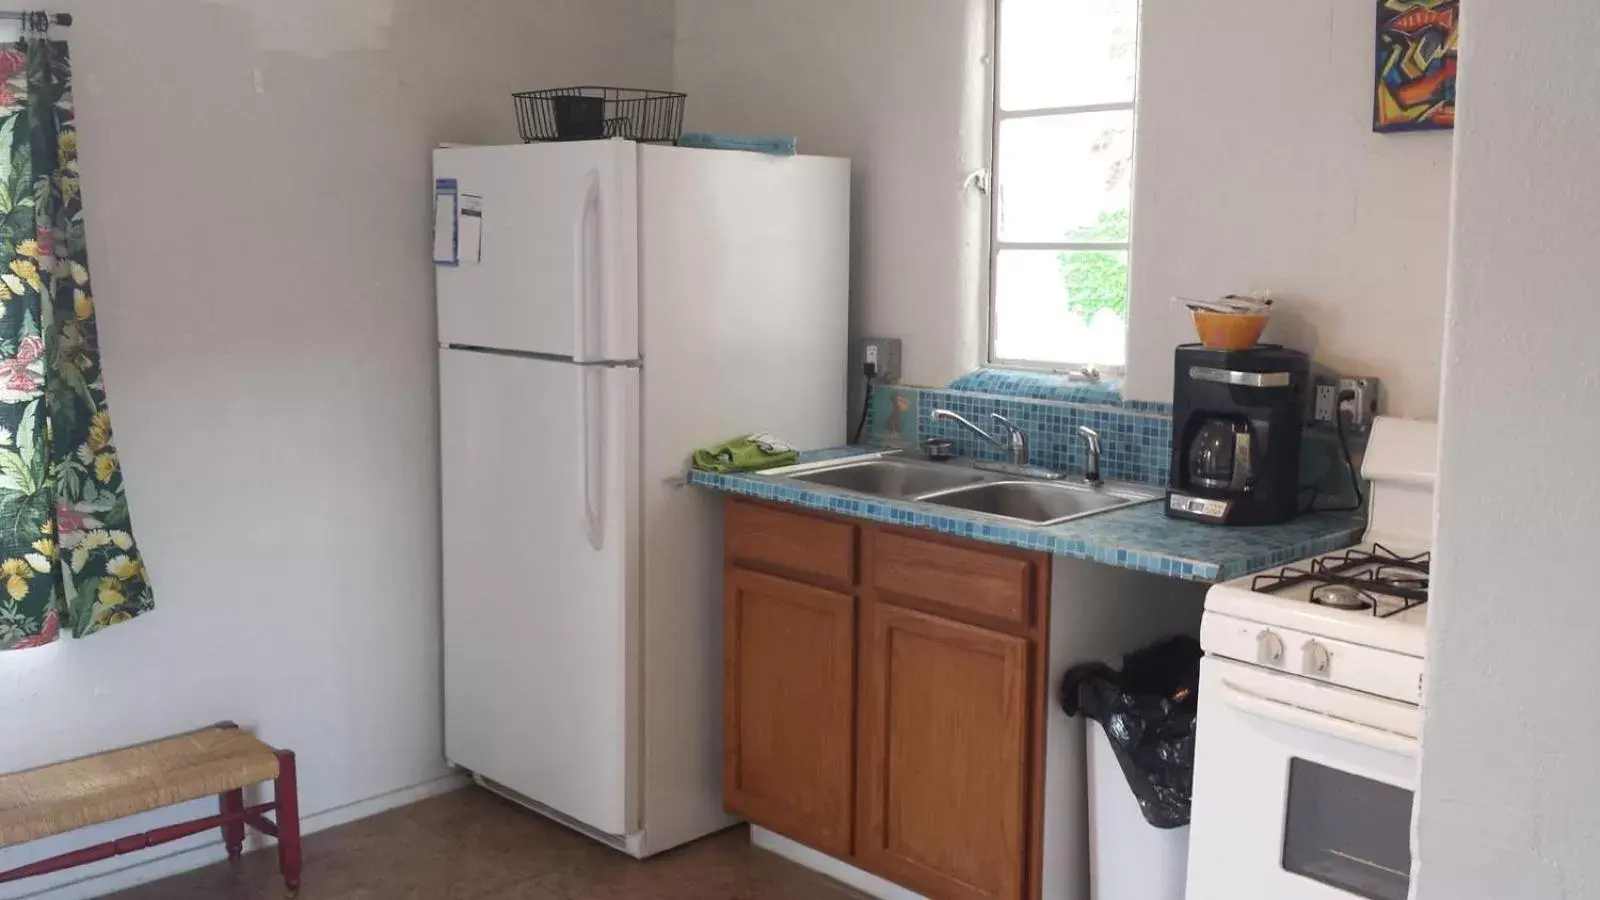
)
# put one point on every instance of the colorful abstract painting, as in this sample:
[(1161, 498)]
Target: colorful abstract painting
[(1417, 42)]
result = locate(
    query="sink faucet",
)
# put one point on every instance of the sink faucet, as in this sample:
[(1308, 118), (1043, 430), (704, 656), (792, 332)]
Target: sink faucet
[(1091, 463), (1015, 441)]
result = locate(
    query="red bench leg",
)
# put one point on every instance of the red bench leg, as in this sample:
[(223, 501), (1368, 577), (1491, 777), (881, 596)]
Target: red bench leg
[(285, 792), (233, 832)]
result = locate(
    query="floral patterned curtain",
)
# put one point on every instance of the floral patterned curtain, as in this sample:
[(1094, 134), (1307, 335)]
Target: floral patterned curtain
[(67, 556)]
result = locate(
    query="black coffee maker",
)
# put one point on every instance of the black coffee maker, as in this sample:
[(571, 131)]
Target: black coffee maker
[(1237, 421)]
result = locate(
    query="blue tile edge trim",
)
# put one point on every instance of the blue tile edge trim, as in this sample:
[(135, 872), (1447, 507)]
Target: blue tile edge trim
[(1236, 552)]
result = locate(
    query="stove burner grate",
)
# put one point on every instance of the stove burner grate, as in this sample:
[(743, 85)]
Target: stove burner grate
[(1349, 580)]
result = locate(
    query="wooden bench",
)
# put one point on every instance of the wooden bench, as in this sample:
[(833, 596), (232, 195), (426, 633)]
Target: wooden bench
[(220, 761)]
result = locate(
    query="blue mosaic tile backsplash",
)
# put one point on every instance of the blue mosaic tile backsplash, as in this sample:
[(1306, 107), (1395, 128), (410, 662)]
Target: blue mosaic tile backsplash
[(1135, 437), (1134, 447)]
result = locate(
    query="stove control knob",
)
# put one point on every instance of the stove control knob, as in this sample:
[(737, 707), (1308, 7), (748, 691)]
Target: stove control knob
[(1269, 648), (1315, 659)]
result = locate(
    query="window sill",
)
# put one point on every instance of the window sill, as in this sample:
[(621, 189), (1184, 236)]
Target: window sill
[(1052, 386)]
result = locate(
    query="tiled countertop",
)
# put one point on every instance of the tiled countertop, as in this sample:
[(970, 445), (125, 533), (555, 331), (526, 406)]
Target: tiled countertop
[(1137, 537)]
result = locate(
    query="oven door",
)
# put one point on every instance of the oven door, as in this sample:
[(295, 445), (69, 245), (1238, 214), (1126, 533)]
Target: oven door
[(1302, 790)]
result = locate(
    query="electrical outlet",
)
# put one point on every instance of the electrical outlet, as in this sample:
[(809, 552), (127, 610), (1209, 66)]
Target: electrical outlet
[(884, 353), (1362, 408), (1357, 412), (1327, 402)]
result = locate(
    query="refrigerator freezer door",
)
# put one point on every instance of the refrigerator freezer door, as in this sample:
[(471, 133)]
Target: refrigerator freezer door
[(559, 269), (540, 487)]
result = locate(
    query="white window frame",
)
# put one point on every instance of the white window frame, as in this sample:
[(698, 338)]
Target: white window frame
[(1078, 371)]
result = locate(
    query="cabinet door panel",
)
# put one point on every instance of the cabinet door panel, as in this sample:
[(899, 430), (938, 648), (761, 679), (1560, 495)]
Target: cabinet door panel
[(788, 708), (944, 755)]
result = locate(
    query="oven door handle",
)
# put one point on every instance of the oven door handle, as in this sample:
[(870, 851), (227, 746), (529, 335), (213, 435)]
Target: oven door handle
[(1256, 705)]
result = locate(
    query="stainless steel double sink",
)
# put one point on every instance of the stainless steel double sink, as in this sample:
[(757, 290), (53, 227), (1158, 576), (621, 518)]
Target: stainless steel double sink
[(956, 485)]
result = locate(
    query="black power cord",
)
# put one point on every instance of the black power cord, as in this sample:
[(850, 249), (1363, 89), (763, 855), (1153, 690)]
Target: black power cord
[(1349, 463), (870, 371)]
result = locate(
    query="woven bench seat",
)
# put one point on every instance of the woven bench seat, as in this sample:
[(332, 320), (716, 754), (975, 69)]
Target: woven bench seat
[(213, 762), (66, 796)]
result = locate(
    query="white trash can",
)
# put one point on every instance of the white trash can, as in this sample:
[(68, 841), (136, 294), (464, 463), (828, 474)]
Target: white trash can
[(1129, 859)]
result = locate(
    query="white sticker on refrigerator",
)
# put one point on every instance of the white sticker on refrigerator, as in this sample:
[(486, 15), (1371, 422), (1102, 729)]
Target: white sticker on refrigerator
[(446, 222)]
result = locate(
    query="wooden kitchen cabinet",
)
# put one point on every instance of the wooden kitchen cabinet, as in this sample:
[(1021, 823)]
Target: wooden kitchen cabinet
[(885, 698), (944, 755), (789, 707)]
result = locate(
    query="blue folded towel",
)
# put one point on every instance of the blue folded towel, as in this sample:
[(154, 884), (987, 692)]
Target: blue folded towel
[(706, 140)]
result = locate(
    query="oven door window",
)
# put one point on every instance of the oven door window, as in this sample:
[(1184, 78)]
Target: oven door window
[(1348, 832)]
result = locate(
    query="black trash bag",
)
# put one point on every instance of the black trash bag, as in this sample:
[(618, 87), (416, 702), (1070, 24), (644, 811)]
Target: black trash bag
[(1148, 712)]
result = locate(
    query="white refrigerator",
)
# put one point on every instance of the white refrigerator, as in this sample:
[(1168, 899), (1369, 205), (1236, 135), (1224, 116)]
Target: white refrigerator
[(627, 304)]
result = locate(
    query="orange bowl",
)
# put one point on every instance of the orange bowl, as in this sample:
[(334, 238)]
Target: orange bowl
[(1228, 331)]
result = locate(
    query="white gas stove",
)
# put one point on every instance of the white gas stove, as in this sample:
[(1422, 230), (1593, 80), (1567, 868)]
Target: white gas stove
[(1356, 618), (1310, 704), (1346, 617)]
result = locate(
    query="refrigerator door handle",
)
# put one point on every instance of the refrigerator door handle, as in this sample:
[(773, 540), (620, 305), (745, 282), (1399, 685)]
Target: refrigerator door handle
[(587, 269), (591, 446)]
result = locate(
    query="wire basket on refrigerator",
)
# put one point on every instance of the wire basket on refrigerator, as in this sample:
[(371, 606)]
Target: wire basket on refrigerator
[(592, 113)]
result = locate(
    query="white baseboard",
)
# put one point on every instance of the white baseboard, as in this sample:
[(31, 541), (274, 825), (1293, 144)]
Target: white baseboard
[(153, 868), (817, 861)]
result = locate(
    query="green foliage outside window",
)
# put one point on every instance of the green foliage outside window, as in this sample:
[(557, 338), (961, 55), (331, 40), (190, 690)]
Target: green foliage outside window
[(1097, 279)]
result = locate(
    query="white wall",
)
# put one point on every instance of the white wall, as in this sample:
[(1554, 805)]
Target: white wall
[(266, 305), (1257, 169), (889, 83), (1510, 798)]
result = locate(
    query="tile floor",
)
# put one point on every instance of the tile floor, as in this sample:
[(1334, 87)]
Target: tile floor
[(471, 845)]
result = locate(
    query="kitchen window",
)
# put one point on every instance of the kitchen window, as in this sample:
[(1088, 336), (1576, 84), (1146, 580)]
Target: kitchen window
[(1063, 173)]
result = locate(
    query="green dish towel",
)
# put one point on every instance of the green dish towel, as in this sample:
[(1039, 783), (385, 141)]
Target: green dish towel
[(746, 454)]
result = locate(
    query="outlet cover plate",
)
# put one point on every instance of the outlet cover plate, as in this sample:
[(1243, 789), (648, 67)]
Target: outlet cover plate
[(1357, 413), (888, 358), (1327, 402), (1364, 408)]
